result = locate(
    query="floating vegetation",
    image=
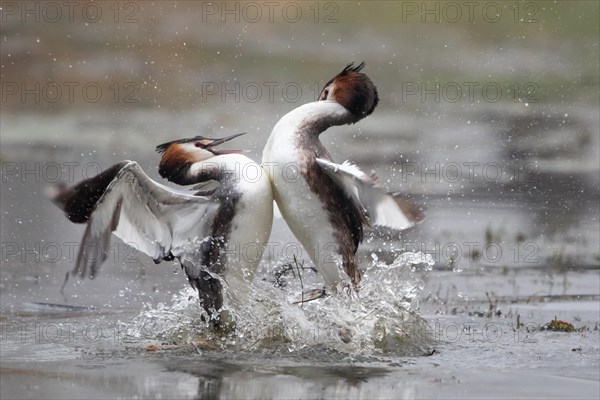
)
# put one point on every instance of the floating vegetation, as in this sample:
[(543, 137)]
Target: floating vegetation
[(557, 325)]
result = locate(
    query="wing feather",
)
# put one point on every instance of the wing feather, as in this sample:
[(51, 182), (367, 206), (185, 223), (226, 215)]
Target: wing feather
[(382, 208), (148, 216)]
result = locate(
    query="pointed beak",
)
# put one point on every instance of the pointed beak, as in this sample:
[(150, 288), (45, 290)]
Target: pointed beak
[(216, 142), (206, 143), (212, 143)]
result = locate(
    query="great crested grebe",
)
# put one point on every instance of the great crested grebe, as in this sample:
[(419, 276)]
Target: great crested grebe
[(215, 232), (326, 204)]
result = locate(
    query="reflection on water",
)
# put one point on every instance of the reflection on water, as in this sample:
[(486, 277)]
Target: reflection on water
[(227, 380)]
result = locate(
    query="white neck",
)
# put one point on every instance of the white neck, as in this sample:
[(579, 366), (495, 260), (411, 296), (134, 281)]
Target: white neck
[(316, 117), (230, 165), (310, 119)]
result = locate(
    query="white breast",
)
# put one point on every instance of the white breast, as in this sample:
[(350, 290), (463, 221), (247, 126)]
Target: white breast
[(301, 208), (250, 227)]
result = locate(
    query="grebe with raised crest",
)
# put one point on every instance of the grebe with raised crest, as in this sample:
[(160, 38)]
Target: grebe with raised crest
[(328, 205), (217, 231)]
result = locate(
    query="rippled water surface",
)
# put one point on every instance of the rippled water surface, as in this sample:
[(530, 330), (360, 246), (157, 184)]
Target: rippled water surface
[(422, 325)]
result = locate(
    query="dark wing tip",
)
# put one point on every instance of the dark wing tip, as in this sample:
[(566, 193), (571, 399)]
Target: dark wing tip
[(413, 212), (79, 201)]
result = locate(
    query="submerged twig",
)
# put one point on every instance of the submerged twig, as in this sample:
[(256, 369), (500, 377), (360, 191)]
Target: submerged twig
[(62, 288), (197, 348), (301, 284)]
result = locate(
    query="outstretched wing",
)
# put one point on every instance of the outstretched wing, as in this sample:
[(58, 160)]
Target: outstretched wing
[(382, 208), (153, 218)]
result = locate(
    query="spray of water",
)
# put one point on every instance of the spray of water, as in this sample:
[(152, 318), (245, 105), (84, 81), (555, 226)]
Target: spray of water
[(380, 318)]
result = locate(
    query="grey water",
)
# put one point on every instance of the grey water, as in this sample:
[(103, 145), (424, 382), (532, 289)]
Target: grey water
[(536, 260)]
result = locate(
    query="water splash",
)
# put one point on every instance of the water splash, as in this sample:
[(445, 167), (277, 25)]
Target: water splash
[(381, 318)]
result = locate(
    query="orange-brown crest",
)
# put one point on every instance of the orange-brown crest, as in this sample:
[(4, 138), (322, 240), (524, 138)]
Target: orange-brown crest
[(353, 90), (177, 154), (176, 161)]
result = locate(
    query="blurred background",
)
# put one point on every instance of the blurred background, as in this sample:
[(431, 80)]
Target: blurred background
[(488, 117)]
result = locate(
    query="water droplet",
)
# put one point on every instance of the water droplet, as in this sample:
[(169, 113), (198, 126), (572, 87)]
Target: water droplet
[(375, 258)]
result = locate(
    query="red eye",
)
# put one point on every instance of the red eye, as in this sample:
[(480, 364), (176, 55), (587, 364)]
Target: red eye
[(198, 144)]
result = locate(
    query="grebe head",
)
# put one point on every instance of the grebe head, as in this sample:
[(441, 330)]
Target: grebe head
[(194, 149), (353, 90), (179, 155)]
